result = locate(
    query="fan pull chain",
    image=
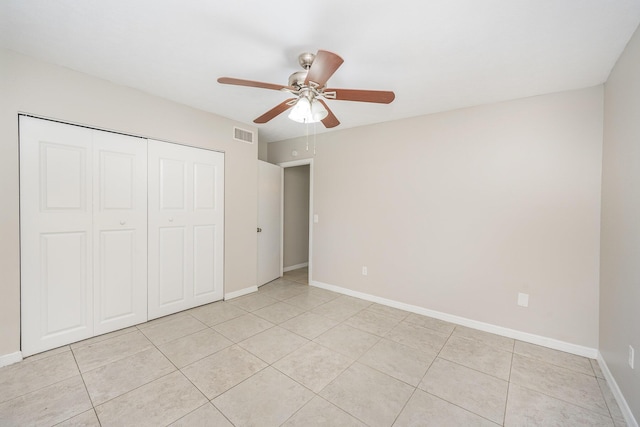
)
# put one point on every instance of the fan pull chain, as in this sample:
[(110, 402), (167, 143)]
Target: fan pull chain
[(307, 132), (314, 139)]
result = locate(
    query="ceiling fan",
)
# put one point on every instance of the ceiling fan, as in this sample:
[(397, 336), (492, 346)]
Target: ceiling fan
[(309, 88)]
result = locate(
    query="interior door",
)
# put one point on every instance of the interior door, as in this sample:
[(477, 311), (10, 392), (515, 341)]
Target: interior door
[(56, 234), (186, 227), (119, 230), (270, 178)]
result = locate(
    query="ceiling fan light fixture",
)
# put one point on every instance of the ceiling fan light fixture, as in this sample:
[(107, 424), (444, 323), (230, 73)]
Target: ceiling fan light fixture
[(308, 111)]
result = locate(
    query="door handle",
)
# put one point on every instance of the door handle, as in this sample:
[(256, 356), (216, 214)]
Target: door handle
[(259, 230)]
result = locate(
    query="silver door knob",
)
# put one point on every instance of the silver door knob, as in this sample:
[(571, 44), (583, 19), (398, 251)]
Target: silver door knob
[(259, 230)]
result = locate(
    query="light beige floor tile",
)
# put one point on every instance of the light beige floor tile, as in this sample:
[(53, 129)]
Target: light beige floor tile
[(93, 340), (160, 402), (476, 355), (396, 313), (347, 340), (278, 312), (371, 396), (320, 413), (253, 302), (162, 319), (205, 416), (398, 360), (306, 301), (426, 410), (431, 323), (101, 353), (266, 399), (323, 293), (530, 408), (474, 391), (47, 406), (117, 378), (610, 400), (219, 372), (218, 312), (173, 329), (374, 323), (596, 368), (283, 291), (487, 338), (24, 377), (309, 325), (340, 309), (243, 327), (273, 344), (313, 365), (85, 419), (420, 338), (46, 354), (555, 357), (564, 384), (194, 347)]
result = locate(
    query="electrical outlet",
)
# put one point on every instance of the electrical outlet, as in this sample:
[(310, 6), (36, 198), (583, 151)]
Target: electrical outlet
[(523, 300), (364, 270), (632, 356)]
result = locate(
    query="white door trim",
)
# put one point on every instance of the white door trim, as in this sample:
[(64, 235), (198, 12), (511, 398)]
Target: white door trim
[(291, 164)]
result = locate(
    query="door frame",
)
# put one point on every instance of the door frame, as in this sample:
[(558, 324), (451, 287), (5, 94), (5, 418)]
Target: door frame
[(291, 164)]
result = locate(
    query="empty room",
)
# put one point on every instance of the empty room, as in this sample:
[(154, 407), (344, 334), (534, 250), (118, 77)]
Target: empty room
[(320, 214)]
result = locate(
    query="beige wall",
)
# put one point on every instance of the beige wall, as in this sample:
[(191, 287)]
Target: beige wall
[(458, 212), (296, 215), (47, 90), (620, 251)]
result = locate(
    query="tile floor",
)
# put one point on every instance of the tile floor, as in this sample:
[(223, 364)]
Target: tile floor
[(296, 355)]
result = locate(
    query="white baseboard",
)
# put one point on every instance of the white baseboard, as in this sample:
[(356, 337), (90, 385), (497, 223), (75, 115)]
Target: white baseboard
[(295, 267), (241, 292), (613, 385), (10, 359), (589, 352)]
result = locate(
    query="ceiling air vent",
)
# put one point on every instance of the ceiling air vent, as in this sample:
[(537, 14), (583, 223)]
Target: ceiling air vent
[(243, 135)]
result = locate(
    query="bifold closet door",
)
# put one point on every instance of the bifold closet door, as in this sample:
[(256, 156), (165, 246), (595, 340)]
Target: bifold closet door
[(119, 231), (186, 227), (83, 245)]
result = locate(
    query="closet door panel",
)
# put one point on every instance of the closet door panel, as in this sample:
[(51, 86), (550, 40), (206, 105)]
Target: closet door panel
[(56, 235), (208, 226), (186, 213), (120, 227)]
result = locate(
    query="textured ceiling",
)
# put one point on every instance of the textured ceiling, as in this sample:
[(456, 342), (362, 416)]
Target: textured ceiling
[(436, 55)]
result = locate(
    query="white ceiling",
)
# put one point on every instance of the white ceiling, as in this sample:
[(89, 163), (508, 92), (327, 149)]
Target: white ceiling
[(436, 55)]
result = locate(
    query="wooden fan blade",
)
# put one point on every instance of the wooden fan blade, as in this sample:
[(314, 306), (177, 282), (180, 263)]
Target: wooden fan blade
[(331, 120), (379, 96), (324, 65), (251, 83), (275, 111)]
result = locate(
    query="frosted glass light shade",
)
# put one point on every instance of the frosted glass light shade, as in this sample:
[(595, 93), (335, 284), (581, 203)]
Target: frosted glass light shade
[(307, 112)]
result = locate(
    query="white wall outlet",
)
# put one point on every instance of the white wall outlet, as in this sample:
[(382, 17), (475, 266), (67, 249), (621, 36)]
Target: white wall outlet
[(632, 357), (364, 270), (523, 300), (315, 218)]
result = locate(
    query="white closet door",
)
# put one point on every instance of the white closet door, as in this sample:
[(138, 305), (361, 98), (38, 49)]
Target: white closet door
[(56, 234), (186, 227), (120, 231)]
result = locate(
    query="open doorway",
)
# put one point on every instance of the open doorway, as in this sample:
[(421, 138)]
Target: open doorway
[(297, 224)]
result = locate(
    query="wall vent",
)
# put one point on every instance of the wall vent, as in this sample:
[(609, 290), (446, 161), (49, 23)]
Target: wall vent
[(243, 135)]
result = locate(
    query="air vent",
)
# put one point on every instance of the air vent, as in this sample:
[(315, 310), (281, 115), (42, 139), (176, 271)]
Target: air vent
[(243, 135)]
